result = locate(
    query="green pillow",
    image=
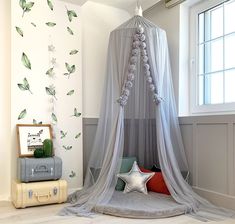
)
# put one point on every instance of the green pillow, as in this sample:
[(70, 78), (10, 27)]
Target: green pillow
[(126, 166)]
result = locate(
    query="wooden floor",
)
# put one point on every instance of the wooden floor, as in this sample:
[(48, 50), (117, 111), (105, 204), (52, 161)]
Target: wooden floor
[(48, 215)]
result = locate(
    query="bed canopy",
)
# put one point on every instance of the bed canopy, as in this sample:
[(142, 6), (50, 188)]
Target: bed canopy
[(138, 118)]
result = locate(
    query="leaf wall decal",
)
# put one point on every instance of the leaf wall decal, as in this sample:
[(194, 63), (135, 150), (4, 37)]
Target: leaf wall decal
[(33, 24), (24, 86), (76, 113), (63, 134), (50, 72), (26, 7), (19, 31), (50, 24), (54, 118), (73, 52), (71, 69), (78, 135), (22, 114), (69, 147), (71, 92), (35, 122), (51, 91), (69, 30), (71, 14), (25, 60), (72, 174), (50, 5)]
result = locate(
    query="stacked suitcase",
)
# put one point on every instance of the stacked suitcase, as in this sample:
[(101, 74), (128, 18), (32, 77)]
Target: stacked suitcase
[(39, 182)]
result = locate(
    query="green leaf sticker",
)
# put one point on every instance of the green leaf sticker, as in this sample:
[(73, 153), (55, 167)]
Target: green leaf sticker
[(24, 86), (26, 7), (78, 135), (51, 91), (72, 174), (69, 147), (33, 24), (22, 114), (71, 92), (70, 68), (54, 118), (50, 5), (50, 24), (70, 31), (50, 72), (73, 52), (25, 60), (76, 113), (63, 134), (35, 122), (71, 14), (19, 31)]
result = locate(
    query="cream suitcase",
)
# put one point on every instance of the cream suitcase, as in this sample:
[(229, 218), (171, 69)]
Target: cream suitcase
[(38, 193)]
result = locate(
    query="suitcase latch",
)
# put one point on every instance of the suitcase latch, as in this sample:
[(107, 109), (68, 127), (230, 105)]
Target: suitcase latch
[(55, 191), (30, 193)]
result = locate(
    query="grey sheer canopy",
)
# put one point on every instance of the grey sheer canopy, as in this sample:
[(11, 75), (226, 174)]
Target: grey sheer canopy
[(138, 118)]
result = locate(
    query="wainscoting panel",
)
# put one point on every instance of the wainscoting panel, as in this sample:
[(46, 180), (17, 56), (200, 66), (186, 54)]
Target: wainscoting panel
[(210, 148)]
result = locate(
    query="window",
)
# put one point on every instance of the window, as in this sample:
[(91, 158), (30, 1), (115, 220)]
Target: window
[(213, 57)]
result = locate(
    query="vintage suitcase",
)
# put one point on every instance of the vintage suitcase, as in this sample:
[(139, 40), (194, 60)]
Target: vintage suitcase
[(34, 169), (38, 193)]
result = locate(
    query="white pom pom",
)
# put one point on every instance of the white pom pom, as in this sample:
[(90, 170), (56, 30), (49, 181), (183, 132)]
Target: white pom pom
[(146, 67), (136, 37), (143, 45), (143, 52), (142, 37), (140, 29), (145, 59), (152, 87), (134, 60), (147, 73), (132, 68), (128, 84), (149, 79), (126, 92), (135, 52), (130, 77), (136, 44)]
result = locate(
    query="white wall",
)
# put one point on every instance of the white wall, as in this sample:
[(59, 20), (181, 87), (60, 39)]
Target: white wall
[(98, 21), (5, 94)]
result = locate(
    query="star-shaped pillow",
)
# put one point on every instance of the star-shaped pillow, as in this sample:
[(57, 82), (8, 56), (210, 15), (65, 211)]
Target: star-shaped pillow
[(135, 180)]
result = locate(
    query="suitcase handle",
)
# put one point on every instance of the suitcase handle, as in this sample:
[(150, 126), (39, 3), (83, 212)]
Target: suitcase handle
[(41, 168), (40, 196)]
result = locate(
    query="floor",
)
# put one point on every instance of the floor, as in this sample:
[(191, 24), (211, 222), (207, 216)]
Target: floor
[(48, 215)]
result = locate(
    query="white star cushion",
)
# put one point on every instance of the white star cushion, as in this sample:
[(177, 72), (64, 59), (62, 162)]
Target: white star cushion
[(135, 180)]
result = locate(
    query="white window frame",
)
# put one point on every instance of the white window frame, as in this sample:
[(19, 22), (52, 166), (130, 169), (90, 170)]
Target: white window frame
[(195, 108)]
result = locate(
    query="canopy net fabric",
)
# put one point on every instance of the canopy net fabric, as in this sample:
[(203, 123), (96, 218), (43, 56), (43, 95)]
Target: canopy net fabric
[(138, 118)]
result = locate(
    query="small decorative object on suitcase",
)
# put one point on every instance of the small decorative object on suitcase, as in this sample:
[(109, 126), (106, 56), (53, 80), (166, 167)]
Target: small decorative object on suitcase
[(38, 193), (35, 169)]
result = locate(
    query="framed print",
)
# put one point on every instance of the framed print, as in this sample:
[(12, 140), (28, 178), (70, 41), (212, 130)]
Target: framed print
[(31, 136)]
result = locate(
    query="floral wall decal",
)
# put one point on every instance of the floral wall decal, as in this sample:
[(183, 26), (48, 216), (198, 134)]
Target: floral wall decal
[(52, 53)]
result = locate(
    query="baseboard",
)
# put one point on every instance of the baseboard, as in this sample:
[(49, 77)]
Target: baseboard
[(223, 200), (5, 198)]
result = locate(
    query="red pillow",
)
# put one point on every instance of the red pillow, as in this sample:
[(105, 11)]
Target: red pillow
[(156, 183)]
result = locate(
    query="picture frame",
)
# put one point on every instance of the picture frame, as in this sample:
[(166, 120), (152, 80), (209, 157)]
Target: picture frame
[(31, 136)]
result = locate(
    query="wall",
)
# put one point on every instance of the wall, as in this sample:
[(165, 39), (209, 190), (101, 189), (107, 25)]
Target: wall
[(210, 146), (47, 42), (98, 21), (5, 95)]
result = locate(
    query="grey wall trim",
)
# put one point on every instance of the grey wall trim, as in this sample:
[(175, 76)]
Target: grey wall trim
[(89, 131)]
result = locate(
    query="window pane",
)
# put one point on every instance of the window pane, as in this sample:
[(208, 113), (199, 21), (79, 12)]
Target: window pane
[(229, 51), (201, 90), (229, 15), (201, 28), (201, 59), (214, 88), (214, 56), (229, 86), (217, 22)]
